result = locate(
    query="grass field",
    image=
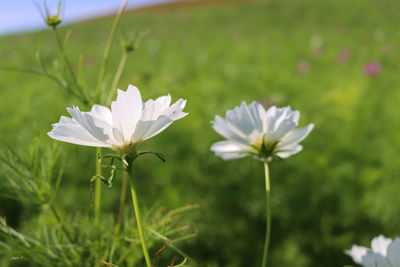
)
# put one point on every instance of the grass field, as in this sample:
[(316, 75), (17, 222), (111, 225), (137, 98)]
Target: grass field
[(341, 190)]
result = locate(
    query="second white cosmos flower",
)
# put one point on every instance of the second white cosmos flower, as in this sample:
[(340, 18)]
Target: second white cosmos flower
[(252, 130), (129, 122), (384, 252)]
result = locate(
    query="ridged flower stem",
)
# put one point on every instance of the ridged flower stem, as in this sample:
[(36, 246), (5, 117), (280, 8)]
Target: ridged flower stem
[(138, 220), (97, 198), (117, 77), (122, 200), (62, 50), (268, 221)]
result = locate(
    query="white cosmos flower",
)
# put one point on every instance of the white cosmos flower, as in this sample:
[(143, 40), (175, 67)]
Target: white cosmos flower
[(129, 122), (384, 252), (252, 130)]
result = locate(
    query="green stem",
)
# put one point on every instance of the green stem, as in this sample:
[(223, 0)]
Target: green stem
[(122, 202), (138, 221), (268, 230), (69, 66), (107, 51), (97, 198), (62, 50), (117, 76)]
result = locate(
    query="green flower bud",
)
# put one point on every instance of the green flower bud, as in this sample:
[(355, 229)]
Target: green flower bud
[(128, 46), (53, 21)]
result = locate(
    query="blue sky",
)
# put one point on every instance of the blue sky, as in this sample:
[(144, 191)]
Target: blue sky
[(22, 15)]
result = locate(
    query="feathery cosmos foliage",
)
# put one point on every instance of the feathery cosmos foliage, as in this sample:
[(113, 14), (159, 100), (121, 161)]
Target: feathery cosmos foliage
[(251, 130), (129, 122), (384, 252)]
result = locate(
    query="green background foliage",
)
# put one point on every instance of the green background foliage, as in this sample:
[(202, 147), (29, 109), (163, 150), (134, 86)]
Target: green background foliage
[(342, 189)]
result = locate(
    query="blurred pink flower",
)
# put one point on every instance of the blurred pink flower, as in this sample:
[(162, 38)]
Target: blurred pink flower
[(372, 68), (303, 67), (343, 55)]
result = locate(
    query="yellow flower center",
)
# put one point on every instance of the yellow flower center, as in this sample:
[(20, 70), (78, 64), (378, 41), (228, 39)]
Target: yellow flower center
[(126, 148)]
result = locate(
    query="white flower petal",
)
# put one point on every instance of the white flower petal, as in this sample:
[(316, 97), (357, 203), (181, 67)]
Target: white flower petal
[(69, 131), (165, 101), (380, 244), (126, 111), (157, 126), (102, 113), (372, 259), (275, 116), (174, 112), (393, 252), (228, 131), (242, 119), (89, 123), (255, 111), (142, 127), (155, 108), (269, 119), (296, 136), (230, 150), (357, 253), (147, 129), (289, 151), (286, 122)]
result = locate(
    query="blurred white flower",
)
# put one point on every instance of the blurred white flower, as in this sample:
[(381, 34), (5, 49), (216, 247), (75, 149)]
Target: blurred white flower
[(129, 122), (264, 134), (384, 252)]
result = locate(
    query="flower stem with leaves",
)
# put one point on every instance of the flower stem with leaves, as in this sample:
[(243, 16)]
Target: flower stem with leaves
[(97, 198), (99, 98), (137, 215), (122, 200)]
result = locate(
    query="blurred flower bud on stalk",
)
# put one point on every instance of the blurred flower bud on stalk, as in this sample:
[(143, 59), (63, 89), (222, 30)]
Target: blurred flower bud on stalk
[(132, 42), (128, 46), (50, 19)]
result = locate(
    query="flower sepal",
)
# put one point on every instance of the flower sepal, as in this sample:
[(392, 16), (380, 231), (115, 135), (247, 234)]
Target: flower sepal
[(265, 151), (108, 181), (126, 159), (129, 158)]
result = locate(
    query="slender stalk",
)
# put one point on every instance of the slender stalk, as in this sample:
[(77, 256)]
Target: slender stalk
[(107, 51), (60, 44), (97, 198), (117, 77), (122, 202), (268, 226), (62, 50), (65, 231), (138, 220)]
